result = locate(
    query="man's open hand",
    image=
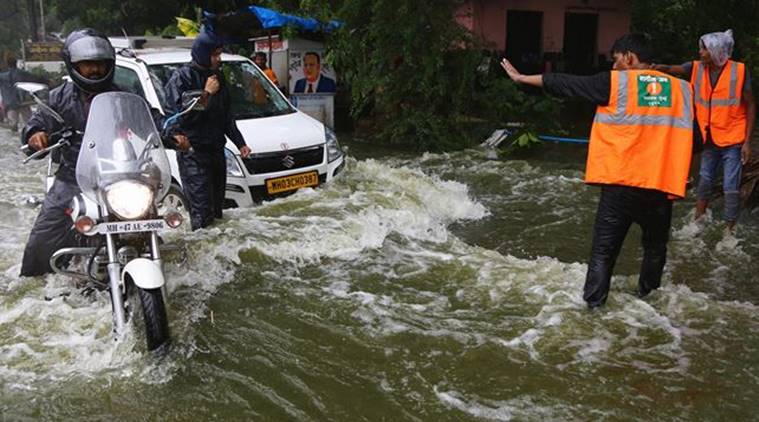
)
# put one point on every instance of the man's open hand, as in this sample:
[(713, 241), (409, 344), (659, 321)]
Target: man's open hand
[(511, 71)]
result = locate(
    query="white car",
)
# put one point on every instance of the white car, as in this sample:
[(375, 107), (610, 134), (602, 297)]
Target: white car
[(290, 149)]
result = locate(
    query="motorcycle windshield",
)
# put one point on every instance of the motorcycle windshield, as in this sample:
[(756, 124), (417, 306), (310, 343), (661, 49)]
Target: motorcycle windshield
[(121, 143)]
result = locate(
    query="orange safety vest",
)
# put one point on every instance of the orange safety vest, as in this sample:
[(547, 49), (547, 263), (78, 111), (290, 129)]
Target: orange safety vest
[(644, 136), (720, 109)]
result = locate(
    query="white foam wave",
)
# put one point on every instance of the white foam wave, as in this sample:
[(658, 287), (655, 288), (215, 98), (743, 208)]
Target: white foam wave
[(522, 407)]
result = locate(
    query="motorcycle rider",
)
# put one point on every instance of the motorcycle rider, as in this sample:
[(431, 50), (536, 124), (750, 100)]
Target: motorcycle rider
[(90, 62), (203, 166)]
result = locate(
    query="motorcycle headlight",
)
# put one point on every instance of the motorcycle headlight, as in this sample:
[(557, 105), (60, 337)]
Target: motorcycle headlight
[(233, 166), (128, 199), (333, 147)]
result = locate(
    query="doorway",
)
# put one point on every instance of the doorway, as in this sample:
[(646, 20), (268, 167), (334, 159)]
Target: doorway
[(580, 43), (524, 36)]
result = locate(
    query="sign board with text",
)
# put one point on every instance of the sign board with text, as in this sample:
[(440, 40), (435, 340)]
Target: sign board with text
[(45, 51)]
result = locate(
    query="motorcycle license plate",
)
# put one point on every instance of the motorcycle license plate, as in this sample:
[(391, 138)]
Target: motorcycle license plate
[(296, 181), (132, 226)]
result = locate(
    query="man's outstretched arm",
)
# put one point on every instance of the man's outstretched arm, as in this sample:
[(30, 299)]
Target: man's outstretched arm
[(594, 88)]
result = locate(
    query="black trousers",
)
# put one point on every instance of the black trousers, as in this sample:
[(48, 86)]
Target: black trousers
[(51, 230), (204, 182), (618, 208)]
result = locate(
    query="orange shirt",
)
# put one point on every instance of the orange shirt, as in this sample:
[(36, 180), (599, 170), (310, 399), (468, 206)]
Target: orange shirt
[(272, 76)]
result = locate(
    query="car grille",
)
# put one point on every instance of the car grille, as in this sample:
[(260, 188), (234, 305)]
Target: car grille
[(270, 162)]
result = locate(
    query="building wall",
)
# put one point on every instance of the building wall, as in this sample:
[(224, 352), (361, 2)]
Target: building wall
[(487, 18)]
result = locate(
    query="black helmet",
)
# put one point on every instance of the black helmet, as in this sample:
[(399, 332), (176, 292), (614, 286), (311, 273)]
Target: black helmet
[(88, 44)]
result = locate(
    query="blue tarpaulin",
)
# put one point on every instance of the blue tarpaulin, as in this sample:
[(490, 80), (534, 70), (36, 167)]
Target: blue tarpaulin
[(252, 20), (271, 19)]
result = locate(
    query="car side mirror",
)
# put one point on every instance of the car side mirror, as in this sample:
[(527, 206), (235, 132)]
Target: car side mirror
[(191, 100)]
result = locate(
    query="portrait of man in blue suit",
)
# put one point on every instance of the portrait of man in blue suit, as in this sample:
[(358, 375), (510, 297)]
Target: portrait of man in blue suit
[(314, 81)]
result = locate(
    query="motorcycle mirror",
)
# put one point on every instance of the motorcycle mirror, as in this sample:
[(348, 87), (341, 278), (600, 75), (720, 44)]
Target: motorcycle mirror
[(34, 89), (191, 100), (31, 88)]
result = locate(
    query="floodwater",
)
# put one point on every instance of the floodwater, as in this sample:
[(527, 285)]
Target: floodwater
[(435, 287)]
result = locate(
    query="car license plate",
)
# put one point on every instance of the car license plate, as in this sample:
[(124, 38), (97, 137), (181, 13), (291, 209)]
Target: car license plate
[(287, 183), (132, 226)]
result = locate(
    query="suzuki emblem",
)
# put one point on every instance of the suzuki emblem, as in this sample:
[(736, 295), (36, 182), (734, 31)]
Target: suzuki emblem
[(288, 161)]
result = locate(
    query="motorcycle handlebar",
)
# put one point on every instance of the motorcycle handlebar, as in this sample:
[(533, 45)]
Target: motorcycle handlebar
[(59, 144), (62, 136)]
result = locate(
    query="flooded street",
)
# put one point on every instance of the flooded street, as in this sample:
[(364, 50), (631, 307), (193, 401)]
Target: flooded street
[(440, 287)]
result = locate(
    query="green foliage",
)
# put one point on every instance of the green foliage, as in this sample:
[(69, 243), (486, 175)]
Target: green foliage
[(136, 17), (525, 140), (14, 26), (502, 101), (397, 58), (410, 63), (676, 26)]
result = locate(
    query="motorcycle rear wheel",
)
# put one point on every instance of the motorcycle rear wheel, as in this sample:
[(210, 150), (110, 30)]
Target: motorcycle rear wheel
[(154, 314)]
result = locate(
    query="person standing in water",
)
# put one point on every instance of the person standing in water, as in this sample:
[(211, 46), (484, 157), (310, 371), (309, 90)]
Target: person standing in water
[(639, 154), (725, 111)]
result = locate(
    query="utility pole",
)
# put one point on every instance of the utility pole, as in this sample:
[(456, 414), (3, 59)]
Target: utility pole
[(32, 14), (42, 21)]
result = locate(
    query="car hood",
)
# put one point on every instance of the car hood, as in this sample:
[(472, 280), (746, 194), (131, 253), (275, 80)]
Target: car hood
[(268, 134)]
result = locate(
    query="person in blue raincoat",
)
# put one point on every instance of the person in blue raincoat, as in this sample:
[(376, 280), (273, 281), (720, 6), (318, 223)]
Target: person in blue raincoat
[(200, 134)]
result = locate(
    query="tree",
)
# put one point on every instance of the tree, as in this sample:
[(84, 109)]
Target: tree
[(676, 26), (110, 16), (14, 26), (412, 71)]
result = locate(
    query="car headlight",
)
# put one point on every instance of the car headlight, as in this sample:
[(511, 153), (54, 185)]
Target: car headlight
[(128, 199), (333, 147), (233, 166)]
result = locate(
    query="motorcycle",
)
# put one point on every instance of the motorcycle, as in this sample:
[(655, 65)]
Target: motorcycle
[(123, 173)]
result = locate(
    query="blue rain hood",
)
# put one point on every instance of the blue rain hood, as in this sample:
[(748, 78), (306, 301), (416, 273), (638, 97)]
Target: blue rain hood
[(203, 46)]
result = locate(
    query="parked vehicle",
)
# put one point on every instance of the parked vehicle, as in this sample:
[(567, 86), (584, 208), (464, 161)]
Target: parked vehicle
[(290, 149), (124, 174)]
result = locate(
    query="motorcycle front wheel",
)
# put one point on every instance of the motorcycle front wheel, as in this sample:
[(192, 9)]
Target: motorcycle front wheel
[(154, 314)]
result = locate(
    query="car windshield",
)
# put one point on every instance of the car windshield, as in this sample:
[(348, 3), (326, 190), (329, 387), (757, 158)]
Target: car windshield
[(251, 92)]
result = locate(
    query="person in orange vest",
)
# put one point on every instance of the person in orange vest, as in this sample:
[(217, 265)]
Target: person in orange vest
[(639, 154), (259, 58), (725, 111)]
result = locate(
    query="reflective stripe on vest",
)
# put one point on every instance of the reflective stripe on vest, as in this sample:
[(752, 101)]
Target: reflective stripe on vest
[(731, 100), (622, 117), (643, 137)]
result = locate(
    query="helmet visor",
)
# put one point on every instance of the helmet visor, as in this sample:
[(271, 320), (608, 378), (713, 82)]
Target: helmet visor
[(90, 48)]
